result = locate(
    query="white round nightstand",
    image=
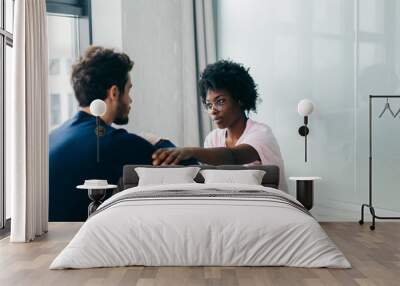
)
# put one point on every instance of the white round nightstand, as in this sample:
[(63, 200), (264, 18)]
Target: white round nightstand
[(96, 195), (305, 190)]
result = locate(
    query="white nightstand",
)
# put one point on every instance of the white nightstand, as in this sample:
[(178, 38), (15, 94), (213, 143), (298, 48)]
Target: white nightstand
[(305, 190), (96, 195)]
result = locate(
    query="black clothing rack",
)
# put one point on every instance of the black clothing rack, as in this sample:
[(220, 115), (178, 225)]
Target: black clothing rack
[(369, 205)]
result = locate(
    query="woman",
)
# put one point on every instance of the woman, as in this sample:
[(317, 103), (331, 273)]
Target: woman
[(229, 94)]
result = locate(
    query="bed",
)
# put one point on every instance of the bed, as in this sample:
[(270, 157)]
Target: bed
[(198, 224)]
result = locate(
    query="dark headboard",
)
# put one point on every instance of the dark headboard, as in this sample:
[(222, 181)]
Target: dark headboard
[(130, 178)]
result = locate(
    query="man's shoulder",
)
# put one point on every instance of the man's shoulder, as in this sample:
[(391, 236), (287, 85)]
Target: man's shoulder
[(72, 126), (121, 135), (128, 148), (62, 134), (124, 134)]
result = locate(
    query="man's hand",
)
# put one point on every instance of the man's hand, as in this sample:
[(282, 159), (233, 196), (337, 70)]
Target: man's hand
[(171, 156)]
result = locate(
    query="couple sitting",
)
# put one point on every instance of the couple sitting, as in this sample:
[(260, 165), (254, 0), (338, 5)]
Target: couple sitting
[(227, 91)]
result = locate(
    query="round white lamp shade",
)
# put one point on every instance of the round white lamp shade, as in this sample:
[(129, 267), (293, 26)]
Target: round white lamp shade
[(98, 107), (305, 107)]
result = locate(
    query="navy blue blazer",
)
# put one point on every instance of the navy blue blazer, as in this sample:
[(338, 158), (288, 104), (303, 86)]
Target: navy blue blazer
[(73, 159)]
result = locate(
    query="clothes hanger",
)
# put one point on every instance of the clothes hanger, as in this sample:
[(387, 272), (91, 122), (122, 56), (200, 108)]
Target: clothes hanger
[(387, 107), (397, 113)]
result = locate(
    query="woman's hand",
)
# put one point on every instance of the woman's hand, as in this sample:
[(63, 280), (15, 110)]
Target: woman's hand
[(171, 156)]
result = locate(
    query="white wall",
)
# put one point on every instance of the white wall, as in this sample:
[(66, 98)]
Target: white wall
[(152, 33), (152, 37), (334, 52), (107, 23)]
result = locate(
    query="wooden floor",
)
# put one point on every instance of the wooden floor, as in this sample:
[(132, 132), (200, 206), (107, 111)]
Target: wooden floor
[(375, 257)]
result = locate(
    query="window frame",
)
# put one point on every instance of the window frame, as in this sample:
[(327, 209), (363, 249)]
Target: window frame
[(80, 11), (72, 8), (6, 39)]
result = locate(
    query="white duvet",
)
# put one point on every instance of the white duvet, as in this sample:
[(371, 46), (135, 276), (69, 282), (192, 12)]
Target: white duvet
[(200, 231)]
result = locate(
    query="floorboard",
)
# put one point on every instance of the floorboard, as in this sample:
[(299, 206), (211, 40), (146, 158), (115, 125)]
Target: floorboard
[(375, 257)]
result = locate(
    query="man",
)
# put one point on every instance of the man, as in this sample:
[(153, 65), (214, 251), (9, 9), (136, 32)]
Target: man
[(100, 74)]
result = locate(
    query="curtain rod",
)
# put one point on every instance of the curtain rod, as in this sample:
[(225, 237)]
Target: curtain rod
[(384, 96)]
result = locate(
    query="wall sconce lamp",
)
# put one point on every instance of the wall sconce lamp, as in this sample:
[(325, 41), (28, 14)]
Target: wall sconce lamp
[(98, 108), (305, 108)]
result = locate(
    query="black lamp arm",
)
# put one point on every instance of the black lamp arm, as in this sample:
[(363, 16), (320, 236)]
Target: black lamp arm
[(100, 131), (303, 131), (97, 138)]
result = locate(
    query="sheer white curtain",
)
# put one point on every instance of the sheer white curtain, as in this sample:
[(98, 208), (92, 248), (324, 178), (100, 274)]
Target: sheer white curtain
[(26, 119), (206, 51), (199, 49)]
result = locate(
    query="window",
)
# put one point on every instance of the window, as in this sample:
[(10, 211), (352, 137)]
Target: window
[(6, 43), (54, 67), (63, 47), (9, 19), (68, 35), (72, 105), (68, 65), (55, 109)]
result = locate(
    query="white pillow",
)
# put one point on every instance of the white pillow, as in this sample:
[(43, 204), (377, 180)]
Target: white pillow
[(248, 177), (165, 176)]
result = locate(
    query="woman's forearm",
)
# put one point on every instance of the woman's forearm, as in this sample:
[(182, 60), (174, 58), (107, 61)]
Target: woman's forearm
[(241, 154), (213, 156)]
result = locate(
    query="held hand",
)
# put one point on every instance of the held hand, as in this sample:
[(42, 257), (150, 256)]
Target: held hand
[(170, 156)]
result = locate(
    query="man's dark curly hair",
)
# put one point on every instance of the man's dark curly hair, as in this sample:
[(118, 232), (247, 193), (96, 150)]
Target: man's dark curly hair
[(232, 77), (97, 71)]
